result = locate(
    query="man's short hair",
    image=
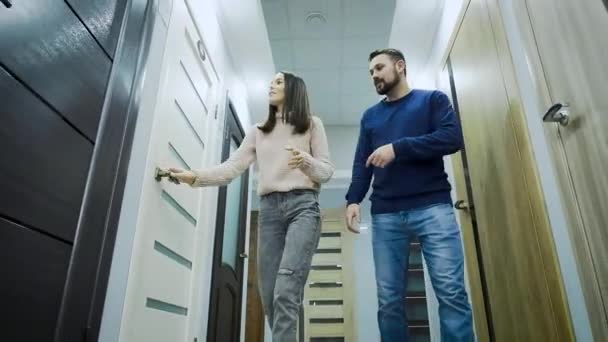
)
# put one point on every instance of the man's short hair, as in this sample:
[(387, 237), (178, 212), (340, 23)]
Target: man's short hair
[(395, 54)]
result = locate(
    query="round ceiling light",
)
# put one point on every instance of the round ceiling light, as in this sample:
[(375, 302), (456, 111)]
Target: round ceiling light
[(315, 18)]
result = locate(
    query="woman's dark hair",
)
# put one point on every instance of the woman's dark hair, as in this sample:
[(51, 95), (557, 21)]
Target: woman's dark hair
[(296, 109)]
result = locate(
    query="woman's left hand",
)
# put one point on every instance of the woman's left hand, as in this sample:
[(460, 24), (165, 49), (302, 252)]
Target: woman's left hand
[(297, 157)]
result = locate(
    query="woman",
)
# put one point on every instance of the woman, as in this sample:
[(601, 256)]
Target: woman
[(293, 161)]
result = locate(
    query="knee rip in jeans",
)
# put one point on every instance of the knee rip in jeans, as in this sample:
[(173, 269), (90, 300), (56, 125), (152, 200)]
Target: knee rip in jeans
[(285, 271)]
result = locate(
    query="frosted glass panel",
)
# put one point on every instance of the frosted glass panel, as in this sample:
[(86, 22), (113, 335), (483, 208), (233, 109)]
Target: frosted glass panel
[(231, 220)]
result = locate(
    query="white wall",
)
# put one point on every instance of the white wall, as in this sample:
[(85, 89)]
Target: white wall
[(451, 17), (342, 144)]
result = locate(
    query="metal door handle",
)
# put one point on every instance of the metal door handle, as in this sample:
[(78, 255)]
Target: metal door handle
[(159, 174), (337, 283), (558, 113), (244, 255), (7, 3), (462, 205)]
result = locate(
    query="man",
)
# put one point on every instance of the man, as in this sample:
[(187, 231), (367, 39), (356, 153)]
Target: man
[(402, 141)]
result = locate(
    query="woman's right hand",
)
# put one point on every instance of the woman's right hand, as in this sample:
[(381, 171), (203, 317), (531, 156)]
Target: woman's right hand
[(184, 176)]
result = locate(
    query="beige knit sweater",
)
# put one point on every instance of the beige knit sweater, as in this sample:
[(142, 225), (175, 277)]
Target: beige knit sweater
[(268, 150)]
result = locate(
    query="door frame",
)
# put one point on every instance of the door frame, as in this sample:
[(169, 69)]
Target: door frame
[(87, 280), (253, 300), (232, 130)]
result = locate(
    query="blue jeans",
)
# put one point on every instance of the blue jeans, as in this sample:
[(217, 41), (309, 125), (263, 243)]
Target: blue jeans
[(289, 232), (439, 236)]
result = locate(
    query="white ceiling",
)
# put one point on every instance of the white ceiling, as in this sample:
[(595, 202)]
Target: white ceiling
[(331, 57)]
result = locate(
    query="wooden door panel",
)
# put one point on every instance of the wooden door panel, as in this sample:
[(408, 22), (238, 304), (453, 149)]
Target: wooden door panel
[(44, 166), (48, 48), (255, 319), (469, 236), (572, 47), (513, 238), (103, 19), (38, 264)]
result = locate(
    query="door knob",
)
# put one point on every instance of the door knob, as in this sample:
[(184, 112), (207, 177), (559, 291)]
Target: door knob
[(462, 205), (159, 174), (558, 113), (7, 3)]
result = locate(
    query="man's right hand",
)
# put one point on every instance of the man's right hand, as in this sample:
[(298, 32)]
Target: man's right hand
[(353, 217)]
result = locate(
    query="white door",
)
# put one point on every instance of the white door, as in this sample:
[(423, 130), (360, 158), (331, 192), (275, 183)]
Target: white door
[(174, 231)]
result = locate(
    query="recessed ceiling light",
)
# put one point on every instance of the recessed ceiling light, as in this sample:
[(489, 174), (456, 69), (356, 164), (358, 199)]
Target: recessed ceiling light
[(316, 18)]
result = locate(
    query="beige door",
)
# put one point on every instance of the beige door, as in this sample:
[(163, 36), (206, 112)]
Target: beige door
[(525, 290), (328, 296), (571, 41), (468, 227), (166, 286)]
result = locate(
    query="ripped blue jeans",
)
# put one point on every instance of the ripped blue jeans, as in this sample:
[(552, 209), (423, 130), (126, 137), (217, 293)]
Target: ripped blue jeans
[(289, 232)]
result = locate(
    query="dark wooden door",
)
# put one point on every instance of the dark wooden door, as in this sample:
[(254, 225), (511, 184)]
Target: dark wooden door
[(254, 327), (55, 62), (228, 260)]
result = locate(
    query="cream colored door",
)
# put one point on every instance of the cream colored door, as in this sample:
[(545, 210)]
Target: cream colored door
[(525, 290), (329, 292), (166, 282), (469, 228), (571, 40)]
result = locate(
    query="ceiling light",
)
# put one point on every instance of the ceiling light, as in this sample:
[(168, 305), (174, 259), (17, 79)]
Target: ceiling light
[(315, 18)]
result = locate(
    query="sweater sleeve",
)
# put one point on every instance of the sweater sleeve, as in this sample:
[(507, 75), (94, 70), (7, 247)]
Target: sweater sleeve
[(238, 163), (361, 175), (446, 137), (317, 165)]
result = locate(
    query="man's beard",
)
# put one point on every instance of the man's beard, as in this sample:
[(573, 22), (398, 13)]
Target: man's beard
[(387, 86)]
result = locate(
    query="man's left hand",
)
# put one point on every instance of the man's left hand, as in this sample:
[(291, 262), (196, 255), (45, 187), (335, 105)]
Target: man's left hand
[(382, 156)]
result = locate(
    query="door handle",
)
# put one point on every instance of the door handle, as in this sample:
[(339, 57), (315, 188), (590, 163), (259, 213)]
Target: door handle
[(558, 113), (244, 255), (159, 174), (329, 283), (462, 205), (7, 3)]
